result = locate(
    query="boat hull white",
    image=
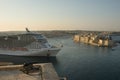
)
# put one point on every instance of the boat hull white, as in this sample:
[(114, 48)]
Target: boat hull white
[(32, 52)]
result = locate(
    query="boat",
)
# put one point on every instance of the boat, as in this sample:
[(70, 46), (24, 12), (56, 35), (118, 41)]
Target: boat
[(27, 44)]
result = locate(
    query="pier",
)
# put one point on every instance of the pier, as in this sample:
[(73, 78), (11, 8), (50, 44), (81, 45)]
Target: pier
[(14, 72)]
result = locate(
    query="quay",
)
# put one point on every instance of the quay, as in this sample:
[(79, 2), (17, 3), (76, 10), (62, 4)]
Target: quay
[(16, 72), (5, 63)]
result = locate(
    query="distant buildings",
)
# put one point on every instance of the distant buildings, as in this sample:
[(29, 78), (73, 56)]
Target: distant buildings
[(102, 39)]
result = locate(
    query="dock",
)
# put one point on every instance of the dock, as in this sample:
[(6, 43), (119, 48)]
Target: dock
[(5, 63), (13, 72)]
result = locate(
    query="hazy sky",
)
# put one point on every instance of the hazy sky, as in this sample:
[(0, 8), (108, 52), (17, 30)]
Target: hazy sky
[(60, 14)]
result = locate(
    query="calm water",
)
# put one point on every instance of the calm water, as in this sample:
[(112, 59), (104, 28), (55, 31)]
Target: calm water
[(80, 61)]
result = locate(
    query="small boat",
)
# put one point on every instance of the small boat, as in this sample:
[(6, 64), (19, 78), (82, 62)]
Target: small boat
[(27, 44)]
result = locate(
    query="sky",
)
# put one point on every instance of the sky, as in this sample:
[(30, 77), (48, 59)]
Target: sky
[(16, 15)]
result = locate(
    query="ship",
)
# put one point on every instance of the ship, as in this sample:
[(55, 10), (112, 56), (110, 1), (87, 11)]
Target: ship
[(28, 43)]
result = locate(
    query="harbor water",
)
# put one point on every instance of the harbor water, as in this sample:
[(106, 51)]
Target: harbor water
[(79, 61)]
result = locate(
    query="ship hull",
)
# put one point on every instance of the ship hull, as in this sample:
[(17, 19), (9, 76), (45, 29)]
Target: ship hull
[(47, 52)]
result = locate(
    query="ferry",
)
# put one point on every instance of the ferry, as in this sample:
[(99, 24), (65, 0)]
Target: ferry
[(27, 44)]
